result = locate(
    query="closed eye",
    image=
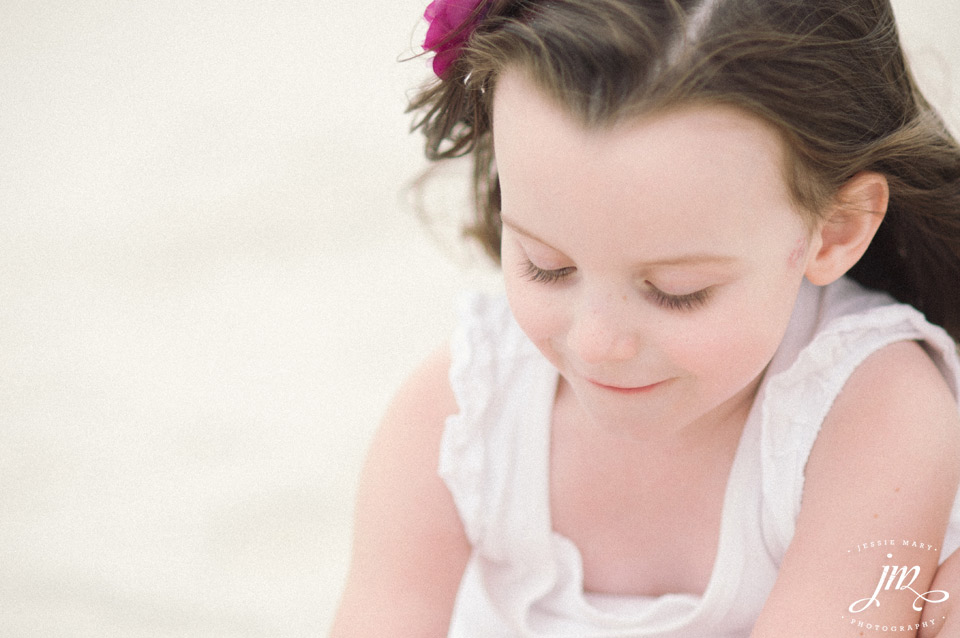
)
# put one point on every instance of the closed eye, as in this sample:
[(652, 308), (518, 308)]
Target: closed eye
[(532, 272), (689, 301)]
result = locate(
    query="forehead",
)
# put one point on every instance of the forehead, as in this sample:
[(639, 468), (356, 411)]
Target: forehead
[(708, 170)]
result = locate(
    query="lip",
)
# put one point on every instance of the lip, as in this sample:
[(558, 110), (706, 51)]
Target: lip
[(622, 390)]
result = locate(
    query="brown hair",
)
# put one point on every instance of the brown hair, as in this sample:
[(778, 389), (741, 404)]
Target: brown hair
[(830, 75)]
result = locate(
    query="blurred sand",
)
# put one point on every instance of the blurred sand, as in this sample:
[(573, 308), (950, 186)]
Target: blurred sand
[(210, 286)]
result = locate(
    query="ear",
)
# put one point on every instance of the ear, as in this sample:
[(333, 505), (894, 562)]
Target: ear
[(843, 234)]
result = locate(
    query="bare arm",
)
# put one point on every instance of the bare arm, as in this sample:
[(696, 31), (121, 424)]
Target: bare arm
[(409, 548), (941, 620), (884, 470)]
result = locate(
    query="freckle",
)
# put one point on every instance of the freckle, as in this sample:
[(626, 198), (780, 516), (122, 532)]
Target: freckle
[(876, 516)]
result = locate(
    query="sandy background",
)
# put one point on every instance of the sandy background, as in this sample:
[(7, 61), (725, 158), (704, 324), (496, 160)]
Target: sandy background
[(210, 286)]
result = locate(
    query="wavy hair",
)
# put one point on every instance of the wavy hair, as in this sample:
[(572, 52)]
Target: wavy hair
[(829, 75)]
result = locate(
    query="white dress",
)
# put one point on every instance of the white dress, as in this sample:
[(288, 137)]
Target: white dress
[(524, 579)]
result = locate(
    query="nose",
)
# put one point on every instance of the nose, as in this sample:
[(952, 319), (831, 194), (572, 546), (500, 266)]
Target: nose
[(604, 331)]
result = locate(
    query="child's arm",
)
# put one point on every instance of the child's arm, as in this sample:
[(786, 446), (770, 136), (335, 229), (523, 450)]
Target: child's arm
[(884, 468), (409, 546), (947, 579)]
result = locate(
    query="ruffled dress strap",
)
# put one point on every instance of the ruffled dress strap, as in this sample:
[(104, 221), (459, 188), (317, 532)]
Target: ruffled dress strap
[(501, 382), (849, 323)]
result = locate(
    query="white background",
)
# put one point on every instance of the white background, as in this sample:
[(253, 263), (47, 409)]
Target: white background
[(211, 282)]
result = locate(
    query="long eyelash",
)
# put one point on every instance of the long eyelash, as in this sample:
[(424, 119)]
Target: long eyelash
[(672, 302), (680, 302), (539, 275)]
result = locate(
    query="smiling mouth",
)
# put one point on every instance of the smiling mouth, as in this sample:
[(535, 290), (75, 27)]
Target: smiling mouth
[(621, 390)]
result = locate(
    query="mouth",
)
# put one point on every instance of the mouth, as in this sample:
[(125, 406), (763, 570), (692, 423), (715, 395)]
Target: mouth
[(627, 390)]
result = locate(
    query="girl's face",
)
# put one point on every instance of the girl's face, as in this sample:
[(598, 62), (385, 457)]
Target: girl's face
[(655, 263)]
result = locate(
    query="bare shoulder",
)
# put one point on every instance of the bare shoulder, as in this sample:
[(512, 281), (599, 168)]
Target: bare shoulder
[(424, 401), (895, 427), (400, 479), (898, 393), (884, 468), (409, 546), (906, 366)]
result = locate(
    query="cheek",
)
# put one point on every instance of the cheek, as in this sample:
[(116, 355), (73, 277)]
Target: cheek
[(730, 349), (723, 364), (537, 312), (537, 308)]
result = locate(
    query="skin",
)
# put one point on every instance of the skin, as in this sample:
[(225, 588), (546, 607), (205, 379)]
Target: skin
[(656, 264), (942, 621)]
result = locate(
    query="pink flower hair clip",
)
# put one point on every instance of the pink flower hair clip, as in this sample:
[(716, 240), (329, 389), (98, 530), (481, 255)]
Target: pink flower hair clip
[(451, 23)]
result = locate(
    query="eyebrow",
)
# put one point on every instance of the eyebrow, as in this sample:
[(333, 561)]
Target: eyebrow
[(679, 260)]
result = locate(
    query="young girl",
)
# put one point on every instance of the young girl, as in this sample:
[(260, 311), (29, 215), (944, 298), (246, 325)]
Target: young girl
[(720, 398)]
